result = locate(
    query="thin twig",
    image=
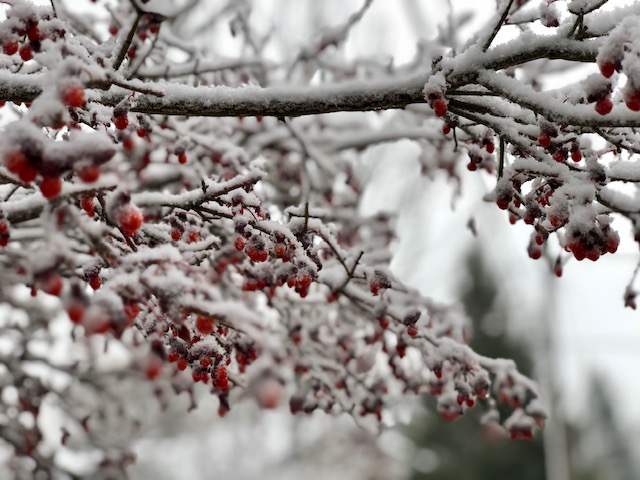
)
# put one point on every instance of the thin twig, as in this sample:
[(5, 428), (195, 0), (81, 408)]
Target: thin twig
[(127, 43), (497, 27), (502, 156)]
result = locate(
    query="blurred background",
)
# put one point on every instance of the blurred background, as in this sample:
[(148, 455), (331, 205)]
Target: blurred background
[(571, 333)]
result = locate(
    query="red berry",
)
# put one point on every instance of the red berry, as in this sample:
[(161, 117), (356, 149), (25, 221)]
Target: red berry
[(205, 325), (26, 53), (28, 173), (280, 249), (15, 161), (544, 140), (132, 53), (446, 129), (559, 156), (220, 379), (412, 330), (173, 357), (269, 393), (257, 254), (490, 147), (449, 416), (72, 95), (303, 280), (379, 281), (578, 251), (176, 234), (604, 105), (384, 322), (10, 47), (558, 270), (535, 252), (440, 107), (131, 310), (75, 312), (89, 173), (613, 242), (95, 282), (181, 364), (182, 157), (521, 434), (50, 187), (87, 205), (121, 121), (503, 202), (130, 219), (576, 155), (607, 69), (239, 242), (633, 101), (52, 285), (33, 33), (153, 368)]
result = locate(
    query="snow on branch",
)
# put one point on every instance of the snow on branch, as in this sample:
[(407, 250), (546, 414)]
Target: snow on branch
[(194, 210)]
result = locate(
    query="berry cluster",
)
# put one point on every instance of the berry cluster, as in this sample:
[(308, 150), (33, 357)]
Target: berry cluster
[(27, 30), (593, 241)]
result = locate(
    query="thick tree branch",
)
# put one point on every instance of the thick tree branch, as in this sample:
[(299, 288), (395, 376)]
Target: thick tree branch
[(286, 101)]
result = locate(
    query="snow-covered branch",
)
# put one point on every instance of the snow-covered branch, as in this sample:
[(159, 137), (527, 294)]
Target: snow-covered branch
[(195, 210)]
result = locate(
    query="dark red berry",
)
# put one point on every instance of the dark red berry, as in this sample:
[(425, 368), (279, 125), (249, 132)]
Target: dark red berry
[(633, 101), (576, 155), (89, 174), (607, 69), (26, 53), (544, 140), (10, 47), (130, 219), (440, 107), (121, 121), (50, 187), (87, 205), (72, 95), (95, 282), (604, 105), (205, 325), (15, 161)]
